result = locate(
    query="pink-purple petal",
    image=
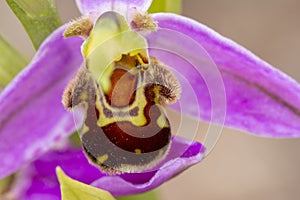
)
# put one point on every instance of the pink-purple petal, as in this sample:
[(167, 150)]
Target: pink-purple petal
[(183, 154), (122, 6), (260, 99), (32, 117), (39, 181)]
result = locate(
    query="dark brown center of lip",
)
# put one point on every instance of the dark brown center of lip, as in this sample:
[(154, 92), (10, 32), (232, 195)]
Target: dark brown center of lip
[(125, 128), (122, 91)]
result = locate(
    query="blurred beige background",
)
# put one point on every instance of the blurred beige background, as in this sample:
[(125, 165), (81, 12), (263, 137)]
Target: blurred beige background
[(241, 166)]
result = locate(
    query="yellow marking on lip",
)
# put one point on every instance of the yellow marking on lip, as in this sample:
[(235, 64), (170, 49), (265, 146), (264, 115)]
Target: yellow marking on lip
[(140, 54), (119, 58), (83, 96), (138, 151), (140, 59), (102, 159), (85, 129), (161, 121), (140, 102)]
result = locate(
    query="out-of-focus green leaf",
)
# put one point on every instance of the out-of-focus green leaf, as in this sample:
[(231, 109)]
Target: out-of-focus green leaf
[(146, 196), (39, 17), (75, 190), (173, 6), (75, 139), (4, 184), (11, 62)]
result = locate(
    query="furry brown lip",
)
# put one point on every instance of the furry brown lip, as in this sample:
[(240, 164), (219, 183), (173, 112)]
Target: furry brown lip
[(125, 128)]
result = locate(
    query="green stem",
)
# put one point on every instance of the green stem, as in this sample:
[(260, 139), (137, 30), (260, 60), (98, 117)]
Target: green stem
[(11, 62), (173, 6), (39, 18)]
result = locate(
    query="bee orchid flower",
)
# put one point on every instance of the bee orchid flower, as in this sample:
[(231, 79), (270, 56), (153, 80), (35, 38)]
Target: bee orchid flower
[(221, 82)]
